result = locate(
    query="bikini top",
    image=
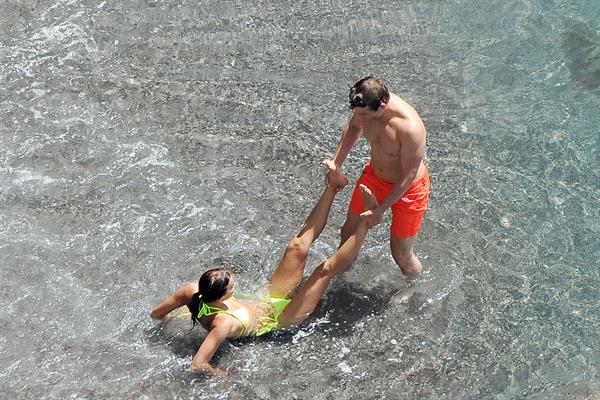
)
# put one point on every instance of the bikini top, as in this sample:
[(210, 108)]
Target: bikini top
[(241, 314)]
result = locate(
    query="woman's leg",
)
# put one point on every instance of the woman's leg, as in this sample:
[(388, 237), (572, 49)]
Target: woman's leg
[(304, 303), (289, 272)]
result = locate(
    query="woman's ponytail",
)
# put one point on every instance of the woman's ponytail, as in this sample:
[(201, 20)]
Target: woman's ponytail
[(194, 307)]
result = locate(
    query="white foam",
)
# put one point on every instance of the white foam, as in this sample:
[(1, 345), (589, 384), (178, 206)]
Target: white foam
[(157, 156), (39, 92), (299, 335), (345, 367), (27, 176), (58, 34), (195, 211), (140, 222), (109, 227), (343, 352)]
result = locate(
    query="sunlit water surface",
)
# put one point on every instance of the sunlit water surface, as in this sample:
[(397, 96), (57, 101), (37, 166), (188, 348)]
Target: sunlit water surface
[(143, 142)]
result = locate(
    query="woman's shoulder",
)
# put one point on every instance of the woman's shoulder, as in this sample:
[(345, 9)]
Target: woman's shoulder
[(191, 287), (185, 292)]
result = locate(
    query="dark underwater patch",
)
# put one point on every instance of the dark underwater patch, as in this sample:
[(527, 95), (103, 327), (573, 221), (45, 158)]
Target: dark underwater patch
[(582, 47)]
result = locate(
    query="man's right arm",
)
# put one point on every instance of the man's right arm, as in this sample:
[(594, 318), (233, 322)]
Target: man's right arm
[(349, 138)]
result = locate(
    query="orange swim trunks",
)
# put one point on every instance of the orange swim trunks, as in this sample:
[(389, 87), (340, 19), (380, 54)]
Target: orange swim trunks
[(407, 212)]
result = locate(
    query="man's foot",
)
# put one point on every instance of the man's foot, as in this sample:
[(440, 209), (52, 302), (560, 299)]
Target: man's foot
[(334, 178), (369, 200), (404, 296)]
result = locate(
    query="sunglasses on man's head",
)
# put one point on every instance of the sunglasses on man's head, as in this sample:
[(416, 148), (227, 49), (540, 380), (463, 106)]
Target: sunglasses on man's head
[(357, 101)]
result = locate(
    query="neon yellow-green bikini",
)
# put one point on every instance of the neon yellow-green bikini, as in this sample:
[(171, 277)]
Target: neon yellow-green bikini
[(267, 324)]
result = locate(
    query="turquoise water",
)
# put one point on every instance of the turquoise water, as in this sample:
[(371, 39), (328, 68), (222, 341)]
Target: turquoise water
[(142, 142)]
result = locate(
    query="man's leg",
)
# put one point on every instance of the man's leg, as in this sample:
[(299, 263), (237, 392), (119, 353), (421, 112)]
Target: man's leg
[(402, 251), (407, 216)]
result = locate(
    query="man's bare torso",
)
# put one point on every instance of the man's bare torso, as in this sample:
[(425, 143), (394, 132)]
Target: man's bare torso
[(385, 135)]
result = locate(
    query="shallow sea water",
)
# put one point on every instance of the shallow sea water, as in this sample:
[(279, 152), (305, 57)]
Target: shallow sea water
[(143, 142)]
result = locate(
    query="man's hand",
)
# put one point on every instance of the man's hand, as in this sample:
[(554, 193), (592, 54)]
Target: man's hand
[(334, 178), (373, 217)]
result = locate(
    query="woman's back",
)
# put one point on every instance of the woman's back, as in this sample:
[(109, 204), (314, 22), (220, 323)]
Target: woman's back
[(248, 315)]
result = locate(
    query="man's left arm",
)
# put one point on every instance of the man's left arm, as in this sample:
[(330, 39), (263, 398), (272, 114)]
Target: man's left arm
[(412, 152)]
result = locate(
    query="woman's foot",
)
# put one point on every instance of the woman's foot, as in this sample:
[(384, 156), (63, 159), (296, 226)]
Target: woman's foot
[(369, 200), (334, 178)]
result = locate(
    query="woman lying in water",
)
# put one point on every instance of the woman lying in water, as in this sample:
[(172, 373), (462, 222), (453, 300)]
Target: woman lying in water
[(212, 303)]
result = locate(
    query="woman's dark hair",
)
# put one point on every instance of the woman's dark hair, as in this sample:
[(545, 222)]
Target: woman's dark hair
[(211, 286), (369, 91)]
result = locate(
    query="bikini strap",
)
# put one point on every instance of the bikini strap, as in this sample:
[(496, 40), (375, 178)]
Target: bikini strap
[(206, 310)]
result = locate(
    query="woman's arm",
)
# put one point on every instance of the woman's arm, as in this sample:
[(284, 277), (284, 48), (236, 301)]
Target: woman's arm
[(222, 327), (181, 297)]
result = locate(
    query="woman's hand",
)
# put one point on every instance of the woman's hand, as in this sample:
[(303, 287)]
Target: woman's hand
[(209, 370), (223, 326), (373, 217)]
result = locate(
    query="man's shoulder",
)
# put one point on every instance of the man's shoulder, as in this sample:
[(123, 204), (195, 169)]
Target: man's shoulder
[(404, 126), (403, 122)]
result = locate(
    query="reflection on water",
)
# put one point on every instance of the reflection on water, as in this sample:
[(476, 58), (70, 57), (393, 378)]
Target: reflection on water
[(143, 142)]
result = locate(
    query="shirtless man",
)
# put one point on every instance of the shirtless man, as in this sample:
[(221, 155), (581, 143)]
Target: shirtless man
[(396, 173)]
